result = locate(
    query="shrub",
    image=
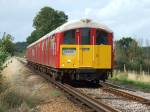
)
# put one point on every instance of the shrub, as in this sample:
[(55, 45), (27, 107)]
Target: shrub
[(11, 99), (3, 57)]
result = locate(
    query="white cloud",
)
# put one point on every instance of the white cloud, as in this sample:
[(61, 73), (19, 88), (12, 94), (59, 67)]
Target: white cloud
[(87, 11), (125, 17)]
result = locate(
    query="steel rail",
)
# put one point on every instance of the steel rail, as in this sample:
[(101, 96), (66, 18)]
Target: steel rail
[(90, 102), (109, 88), (118, 87)]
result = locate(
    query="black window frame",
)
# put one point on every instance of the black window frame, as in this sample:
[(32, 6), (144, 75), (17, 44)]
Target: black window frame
[(67, 39), (101, 37)]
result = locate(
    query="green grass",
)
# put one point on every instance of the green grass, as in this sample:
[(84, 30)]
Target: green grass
[(125, 81), (55, 93)]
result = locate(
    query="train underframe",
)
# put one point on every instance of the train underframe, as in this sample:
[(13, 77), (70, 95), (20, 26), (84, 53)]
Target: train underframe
[(88, 74)]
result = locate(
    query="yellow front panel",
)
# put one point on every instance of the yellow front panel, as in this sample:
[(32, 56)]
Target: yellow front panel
[(85, 56), (103, 56)]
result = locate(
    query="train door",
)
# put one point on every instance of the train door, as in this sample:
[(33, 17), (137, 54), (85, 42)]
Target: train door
[(85, 51), (103, 50)]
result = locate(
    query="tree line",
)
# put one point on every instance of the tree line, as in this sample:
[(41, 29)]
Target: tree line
[(130, 55)]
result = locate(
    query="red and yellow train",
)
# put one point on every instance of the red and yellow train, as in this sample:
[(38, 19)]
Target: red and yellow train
[(78, 50)]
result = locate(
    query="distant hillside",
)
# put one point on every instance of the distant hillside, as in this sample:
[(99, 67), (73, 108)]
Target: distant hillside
[(20, 48)]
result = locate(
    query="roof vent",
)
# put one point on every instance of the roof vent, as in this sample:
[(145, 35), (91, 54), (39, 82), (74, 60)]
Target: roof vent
[(86, 20)]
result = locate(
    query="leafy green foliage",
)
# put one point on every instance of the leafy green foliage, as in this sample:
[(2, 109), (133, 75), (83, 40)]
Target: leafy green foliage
[(6, 44), (45, 21), (3, 57), (128, 53), (6, 48), (146, 57)]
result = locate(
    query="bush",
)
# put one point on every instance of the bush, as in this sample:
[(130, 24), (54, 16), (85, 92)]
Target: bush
[(3, 57), (11, 99)]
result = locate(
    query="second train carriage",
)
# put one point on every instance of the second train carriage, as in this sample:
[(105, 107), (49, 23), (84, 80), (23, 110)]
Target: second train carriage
[(78, 50)]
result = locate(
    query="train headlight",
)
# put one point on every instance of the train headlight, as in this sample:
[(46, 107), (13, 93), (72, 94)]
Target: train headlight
[(68, 61)]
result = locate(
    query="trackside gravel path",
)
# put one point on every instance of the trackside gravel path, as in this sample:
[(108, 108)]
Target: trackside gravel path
[(30, 83)]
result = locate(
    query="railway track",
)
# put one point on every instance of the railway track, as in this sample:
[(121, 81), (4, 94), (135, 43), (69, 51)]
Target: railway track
[(110, 88), (118, 86), (92, 104), (85, 99), (96, 103)]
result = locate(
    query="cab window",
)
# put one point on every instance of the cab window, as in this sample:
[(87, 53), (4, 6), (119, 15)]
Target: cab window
[(69, 37), (101, 37), (85, 36)]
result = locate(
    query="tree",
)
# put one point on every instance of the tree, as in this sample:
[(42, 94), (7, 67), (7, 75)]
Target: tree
[(35, 35), (45, 21), (128, 53), (7, 45)]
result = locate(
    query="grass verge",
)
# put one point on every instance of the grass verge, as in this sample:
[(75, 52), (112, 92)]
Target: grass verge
[(123, 80), (11, 100)]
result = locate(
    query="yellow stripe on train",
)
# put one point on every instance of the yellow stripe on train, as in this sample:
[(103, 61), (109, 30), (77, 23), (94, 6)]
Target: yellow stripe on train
[(85, 56)]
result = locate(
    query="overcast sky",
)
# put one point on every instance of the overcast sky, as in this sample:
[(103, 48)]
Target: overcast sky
[(124, 17)]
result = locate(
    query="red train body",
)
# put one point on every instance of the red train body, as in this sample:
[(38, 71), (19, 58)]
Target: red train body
[(49, 51)]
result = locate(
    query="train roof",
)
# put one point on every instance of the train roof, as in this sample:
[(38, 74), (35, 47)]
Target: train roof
[(83, 23)]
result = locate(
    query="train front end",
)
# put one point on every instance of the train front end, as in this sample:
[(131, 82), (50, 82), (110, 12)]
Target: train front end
[(86, 53)]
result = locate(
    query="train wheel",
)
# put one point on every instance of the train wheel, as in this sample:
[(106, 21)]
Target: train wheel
[(97, 81), (61, 77)]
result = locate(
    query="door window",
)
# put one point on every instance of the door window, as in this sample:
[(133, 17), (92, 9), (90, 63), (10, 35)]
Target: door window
[(85, 35)]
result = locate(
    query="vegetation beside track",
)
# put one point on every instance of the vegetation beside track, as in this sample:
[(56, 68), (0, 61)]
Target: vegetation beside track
[(122, 79), (13, 100), (25, 92), (6, 48), (131, 55)]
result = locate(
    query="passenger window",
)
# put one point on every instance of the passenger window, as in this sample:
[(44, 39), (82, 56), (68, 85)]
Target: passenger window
[(33, 52), (85, 35), (101, 37), (43, 45), (69, 37)]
